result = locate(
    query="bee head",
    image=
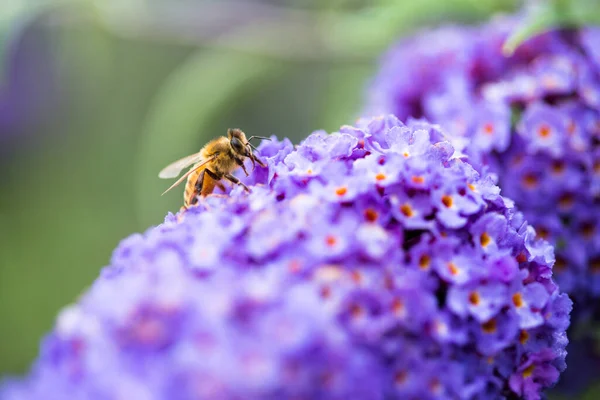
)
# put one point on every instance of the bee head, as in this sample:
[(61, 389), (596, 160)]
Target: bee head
[(238, 141), (242, 147)]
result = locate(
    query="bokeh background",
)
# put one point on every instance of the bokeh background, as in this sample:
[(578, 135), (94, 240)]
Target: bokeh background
[(97, 96)]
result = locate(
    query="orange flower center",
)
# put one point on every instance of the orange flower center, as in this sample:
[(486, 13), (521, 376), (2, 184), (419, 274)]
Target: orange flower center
[(560, 264), (558, 167), (397, 307), (447, 200), (566, 200), (452, 268), (544, 131), (517, 299), (400, 377), (406, 210), (356, 310), (418, 179), (341, 191), (530, 181), (588, 229), (380, 176), (474, 298), (294, 266), (424, 261), (527, 372), (356, 276), (488, 128), (371, 215), (489, 326), (485, 239), (330, 240), (523, 336)]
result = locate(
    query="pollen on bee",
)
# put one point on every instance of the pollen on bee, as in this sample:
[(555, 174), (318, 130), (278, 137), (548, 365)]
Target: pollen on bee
[(488, 128), (341, 191), (489, 326), (485, 239), (406, 210), (544, 131), (517, 300), (447, 200)]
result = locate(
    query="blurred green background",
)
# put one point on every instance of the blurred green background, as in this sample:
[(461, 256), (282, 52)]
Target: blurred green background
[(97, 96)]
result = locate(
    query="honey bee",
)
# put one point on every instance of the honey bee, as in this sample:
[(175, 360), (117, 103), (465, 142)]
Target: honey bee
[(215, 161)]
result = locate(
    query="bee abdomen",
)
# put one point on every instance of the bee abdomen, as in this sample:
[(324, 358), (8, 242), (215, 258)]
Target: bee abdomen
[(190, 193)]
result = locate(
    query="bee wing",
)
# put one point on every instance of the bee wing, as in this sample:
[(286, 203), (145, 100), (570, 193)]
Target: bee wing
[(194, 168), (174, 169)]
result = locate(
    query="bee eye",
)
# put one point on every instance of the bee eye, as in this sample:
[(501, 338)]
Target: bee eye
[(237, 145)]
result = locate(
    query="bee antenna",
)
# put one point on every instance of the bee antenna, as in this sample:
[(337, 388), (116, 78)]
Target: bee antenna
[(258, 137), (253, 147)]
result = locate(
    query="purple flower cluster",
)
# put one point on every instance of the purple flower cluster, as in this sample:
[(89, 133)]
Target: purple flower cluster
[(532, 118), (370, 263), (28, 87)]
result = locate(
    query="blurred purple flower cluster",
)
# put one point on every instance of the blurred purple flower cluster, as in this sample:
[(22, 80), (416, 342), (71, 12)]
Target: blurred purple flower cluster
[(532, 118), (370, 263), (28, 83)]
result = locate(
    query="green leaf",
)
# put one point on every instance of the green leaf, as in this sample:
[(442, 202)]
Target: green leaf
[(179, 120), (553, 14)]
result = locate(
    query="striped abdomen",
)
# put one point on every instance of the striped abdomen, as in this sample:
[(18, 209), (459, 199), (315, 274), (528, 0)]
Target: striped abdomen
[(192, 189)]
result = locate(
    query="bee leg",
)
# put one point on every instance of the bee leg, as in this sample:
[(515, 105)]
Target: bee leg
[(241, 164), (199, 181), (235, 180), (258, 161), (215, 177), (199, 185)]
